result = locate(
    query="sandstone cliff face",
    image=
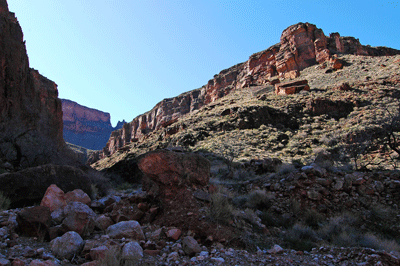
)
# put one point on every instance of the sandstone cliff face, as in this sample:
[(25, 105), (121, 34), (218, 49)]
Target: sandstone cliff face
[(301, 45), (30, 111), (86, 127)]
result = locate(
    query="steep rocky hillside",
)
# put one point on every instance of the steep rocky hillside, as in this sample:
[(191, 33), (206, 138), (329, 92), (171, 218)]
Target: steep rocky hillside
[(86, 127), (30, 111), (301, 46)]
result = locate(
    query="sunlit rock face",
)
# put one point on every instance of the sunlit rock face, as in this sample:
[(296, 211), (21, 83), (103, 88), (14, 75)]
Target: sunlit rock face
[(86, 127), (301, 45)]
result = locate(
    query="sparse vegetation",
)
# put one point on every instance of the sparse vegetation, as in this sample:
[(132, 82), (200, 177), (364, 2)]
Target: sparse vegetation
[(221, 209), (4, 202)]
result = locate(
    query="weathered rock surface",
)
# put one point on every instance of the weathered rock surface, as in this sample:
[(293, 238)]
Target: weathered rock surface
[(54, 198), (28, 186), (86, 127), (34, 221), (127, 229), (171, 177), (291, 87), (132, 252), (190, 245), (301, 45), (68, 245), (30, 110), (79, 218)]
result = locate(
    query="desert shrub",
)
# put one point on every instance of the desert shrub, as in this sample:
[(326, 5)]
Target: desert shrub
[(259, 199), (271, 219), (380, 213), (349, 237), (313, 218), (4, 202), (300, 237), (99, 181), (94, 191), (295, 206), (285, 168), (370, 240), (337, 225), (125, 186), (220, 209)]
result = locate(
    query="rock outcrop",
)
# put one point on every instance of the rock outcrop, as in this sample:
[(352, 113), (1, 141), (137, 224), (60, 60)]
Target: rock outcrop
[(301, 45), (30, 111), (86, 127), (29, 185)]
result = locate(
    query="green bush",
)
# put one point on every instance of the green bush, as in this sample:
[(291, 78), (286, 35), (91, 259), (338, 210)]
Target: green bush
[(313, 218), (221, 209), (259, 199), (4, 202), (300, 237)]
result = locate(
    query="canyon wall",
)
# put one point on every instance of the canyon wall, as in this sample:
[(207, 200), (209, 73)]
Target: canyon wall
[(86, 127), (30, 111), (301, 45)]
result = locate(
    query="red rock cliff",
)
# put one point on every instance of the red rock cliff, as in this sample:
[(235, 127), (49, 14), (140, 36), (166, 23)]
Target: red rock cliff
[(301, 45), (30, 111), (86, 127)]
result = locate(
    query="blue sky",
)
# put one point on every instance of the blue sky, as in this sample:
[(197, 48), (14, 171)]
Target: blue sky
[(124, 56)]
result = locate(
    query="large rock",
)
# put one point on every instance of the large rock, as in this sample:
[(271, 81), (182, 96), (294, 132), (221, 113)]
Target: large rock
[(79, 218), (301, 45), (291, 87), (54, 198), (67, 245), (190, 245), (127, 229), (86, 127), (34, 222), (30, 110), (170, 176), (132, 252), (28, 186), (172, 169), (79, 196)]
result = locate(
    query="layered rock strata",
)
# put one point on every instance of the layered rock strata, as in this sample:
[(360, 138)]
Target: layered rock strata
[(86, 127), (30, 111), (301, 45)]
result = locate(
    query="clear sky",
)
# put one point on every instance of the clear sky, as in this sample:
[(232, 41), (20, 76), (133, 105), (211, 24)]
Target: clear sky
[(124, 56)]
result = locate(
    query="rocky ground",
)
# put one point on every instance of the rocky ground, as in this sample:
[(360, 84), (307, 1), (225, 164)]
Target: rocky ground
[(309, 216)]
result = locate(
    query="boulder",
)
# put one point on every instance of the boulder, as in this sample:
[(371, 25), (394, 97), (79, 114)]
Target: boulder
[(34, 222), (79, 218), (190, 246), (126, 229), (170, 169), (173, 233), (98, 253), (28, 186), (54, 198), (132, 252), (103, 222), (291, 87), (170, 176), (125, 211), (67, 245), (79, 196)]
